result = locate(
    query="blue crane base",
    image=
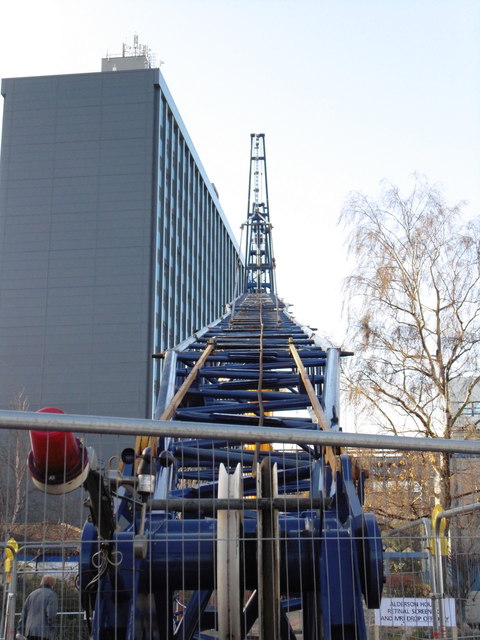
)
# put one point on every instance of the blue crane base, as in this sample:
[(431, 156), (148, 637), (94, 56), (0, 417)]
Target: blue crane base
[(330, 558)]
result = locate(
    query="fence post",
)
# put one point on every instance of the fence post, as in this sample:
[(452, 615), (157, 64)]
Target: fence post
[(434, 594), (8, 617)]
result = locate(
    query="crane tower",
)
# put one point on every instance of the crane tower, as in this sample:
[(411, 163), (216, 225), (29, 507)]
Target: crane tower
[(242, 536), (260, 263)]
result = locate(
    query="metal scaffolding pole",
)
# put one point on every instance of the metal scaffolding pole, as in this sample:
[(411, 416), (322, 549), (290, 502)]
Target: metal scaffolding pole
[(25, 420)]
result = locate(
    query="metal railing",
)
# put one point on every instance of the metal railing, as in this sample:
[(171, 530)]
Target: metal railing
[(26, 420)]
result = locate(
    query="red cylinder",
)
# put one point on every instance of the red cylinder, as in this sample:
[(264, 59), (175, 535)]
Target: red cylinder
[(56, 457)]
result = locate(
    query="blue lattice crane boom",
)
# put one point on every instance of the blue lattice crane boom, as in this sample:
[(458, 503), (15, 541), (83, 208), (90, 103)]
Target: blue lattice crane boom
[(216, 539)]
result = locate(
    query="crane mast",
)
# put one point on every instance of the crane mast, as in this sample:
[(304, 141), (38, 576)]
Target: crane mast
[(203, 538), (260, 262)]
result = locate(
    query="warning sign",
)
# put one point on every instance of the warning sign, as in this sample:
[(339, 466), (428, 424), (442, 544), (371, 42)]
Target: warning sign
[(411, 612)]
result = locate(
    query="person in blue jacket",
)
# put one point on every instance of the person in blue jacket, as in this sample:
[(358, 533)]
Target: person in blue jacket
[(39, 611)]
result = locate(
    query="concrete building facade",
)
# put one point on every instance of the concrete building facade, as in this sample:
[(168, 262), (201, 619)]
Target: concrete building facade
[(113, 243)]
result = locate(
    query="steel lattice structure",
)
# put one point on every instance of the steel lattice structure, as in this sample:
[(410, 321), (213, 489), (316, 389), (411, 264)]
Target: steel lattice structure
[(206, 538), (259, 259)]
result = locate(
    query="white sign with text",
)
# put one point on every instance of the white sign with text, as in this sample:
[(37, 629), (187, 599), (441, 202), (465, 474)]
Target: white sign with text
[(411, 612)]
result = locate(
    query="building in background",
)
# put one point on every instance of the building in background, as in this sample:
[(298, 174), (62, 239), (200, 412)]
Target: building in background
[(113, 241)]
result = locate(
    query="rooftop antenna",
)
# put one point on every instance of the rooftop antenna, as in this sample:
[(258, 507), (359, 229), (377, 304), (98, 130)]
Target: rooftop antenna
[(134, 56), (137, 50)]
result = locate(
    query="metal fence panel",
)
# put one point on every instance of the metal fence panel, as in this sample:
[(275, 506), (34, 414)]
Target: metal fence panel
[(400, 490)]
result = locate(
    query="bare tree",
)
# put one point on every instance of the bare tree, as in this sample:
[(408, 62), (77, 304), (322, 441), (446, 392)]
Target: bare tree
[(413, 307), (400, 485), (13, 462)]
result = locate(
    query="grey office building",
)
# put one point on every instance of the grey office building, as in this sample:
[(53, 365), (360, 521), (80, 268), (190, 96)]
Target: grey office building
[(113, 241)]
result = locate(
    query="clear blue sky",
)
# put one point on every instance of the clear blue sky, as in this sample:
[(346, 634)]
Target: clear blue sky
[(347, 92)]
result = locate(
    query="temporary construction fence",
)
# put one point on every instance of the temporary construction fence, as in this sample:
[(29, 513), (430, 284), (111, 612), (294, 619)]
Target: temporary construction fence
[(431, 582), (421, 584), (29, 563)]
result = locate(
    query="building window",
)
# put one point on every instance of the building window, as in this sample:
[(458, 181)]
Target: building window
[(471, 409)]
